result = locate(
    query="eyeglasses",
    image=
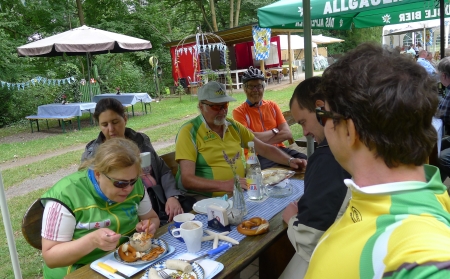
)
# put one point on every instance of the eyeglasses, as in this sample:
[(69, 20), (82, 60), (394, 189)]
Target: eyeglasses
[(252, 87), (122, 183), (217, 107), (324, 115)]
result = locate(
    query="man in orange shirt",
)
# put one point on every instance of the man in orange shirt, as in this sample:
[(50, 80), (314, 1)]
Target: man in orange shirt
[(263, 118)]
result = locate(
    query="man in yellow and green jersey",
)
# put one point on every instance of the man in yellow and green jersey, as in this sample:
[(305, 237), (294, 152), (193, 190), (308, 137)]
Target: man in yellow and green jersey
[(378, 115), (202, 142)]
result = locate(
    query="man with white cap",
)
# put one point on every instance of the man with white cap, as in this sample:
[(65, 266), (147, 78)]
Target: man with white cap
[(202, 142)]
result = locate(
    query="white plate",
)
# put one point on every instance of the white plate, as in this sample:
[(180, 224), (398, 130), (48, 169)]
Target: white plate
[(155, 242), (197, 270), (273, 177), (202, 206)]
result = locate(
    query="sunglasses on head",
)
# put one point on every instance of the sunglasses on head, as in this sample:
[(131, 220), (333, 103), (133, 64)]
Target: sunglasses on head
[(122, 183), (217, 107), (323, 115)]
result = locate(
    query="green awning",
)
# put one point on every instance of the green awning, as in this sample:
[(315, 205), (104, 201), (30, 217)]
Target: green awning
[(326, 14)]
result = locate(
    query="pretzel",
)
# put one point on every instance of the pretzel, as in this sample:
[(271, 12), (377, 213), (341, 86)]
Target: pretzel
[(254, 226), (153, 254), (127, 253)]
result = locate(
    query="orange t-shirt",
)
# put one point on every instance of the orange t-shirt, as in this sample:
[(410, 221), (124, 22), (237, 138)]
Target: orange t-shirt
[(260, 119)]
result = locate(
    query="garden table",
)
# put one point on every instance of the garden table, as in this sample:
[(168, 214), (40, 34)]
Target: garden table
[(273, 248)]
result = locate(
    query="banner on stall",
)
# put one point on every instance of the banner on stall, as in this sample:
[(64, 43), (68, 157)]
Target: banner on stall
[(35, 81)]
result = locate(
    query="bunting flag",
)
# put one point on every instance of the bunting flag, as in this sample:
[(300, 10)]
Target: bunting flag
[(429, 37), (261, 41), (35, 81)]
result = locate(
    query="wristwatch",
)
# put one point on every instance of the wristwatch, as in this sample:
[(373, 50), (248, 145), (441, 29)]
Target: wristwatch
[(175, 197), (275, 131)]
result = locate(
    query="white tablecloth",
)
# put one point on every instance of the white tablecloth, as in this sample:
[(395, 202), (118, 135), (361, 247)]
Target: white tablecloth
[(125, 98), (67, 110), (265, 209)]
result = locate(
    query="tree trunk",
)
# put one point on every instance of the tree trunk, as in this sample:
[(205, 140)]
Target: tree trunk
[(236, 17), (231, 13), (80, 13), (213, 15), (202, 8)]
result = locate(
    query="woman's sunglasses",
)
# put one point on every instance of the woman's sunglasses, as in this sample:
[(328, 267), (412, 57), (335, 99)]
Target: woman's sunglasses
[(217, 107), (122, 183), (324, 115)]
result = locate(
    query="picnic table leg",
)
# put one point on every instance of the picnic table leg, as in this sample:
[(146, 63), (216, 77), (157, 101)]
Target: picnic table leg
[(63, 126), (132, 109), (144, 107), (31, 124)]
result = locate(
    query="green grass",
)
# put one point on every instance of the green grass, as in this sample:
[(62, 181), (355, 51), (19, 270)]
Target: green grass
[(170, 112)]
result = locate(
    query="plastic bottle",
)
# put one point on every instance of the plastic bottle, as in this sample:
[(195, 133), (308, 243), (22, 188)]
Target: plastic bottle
[(253, 174)]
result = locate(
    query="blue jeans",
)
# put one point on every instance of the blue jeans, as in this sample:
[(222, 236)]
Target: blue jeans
[(444, 159)]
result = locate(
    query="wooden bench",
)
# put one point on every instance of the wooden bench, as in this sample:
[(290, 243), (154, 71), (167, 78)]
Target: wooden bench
[(169, 159), (62, 120)]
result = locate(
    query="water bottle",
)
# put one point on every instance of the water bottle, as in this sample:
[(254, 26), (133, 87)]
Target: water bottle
[(253, 174)]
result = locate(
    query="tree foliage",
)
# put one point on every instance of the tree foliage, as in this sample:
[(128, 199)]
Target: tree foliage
[(158, 21)]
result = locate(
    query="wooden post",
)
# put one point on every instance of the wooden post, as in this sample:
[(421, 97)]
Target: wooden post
[(290, 57)]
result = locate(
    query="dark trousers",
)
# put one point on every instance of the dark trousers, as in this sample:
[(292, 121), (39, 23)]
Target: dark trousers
[(266, 163)]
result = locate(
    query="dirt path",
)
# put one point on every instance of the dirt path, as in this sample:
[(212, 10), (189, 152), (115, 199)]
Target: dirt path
[(47, 180)]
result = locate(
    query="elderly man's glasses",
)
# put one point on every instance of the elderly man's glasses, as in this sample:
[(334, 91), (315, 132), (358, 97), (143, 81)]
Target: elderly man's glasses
[(122, 183), (253, 87), (217, 107), (324, 115)]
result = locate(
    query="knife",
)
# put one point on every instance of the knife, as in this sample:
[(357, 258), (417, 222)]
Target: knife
[(212, 252), (112, 270)]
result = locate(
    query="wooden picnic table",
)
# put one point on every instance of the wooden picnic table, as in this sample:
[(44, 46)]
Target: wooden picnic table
[(273, 249)]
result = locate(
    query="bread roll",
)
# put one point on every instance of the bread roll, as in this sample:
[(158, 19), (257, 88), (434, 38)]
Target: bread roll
[(153, 274), (179, 265)]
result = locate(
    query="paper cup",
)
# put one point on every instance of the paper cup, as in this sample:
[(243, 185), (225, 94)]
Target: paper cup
[(145, 160)]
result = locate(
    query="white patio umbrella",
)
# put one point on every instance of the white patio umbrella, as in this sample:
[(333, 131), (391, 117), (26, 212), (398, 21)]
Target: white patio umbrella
[(320, 39), (297, 42), (84, 40)]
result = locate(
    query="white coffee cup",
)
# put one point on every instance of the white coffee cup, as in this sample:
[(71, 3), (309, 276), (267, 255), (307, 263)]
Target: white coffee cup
[(192, 233), (146, 159)]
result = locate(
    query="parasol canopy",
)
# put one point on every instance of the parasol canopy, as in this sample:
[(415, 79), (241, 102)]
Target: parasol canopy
[(82, 40), (326, 14), (297, 42), (320, 39)]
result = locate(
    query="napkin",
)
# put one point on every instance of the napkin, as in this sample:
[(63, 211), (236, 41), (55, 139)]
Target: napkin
[(125, 269), (210, 267)]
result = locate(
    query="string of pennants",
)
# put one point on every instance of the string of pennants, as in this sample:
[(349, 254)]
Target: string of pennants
[(200, 48), (35, 81)]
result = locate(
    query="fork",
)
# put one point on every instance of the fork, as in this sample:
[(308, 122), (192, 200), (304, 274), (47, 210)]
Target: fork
[(129, 237), (163, 274)]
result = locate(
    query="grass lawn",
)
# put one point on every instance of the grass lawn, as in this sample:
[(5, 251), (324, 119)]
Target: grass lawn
[(169, 114)]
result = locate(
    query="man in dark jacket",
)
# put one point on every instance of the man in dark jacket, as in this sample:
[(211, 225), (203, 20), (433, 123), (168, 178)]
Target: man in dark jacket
[(326, 196)]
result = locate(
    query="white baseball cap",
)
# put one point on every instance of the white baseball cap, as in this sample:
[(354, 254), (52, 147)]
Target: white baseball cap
[(214, 92)]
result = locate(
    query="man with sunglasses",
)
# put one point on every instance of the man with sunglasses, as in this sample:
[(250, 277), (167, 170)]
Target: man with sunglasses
[(443, 113), (201, 143), (378, 124), (325, 197), (263, 118)]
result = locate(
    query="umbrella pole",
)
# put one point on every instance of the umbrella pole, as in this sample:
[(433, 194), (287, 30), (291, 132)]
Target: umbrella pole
[(89, 75), (9, 231)]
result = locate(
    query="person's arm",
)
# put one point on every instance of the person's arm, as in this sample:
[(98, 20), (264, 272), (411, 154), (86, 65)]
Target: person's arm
[(164, 177), (276, 155), (270, 137), (58, 248), (149, 222), (195, 183)]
